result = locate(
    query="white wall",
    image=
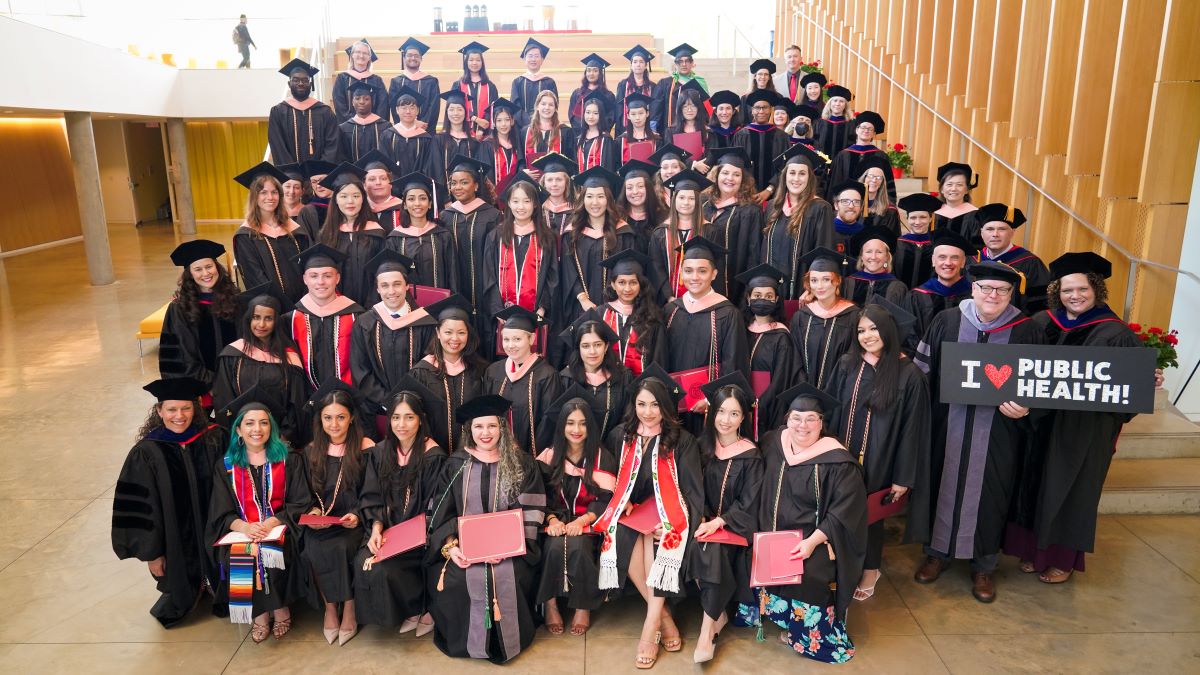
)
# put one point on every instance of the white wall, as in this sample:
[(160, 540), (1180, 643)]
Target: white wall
[(1185, 312), (114, 171)]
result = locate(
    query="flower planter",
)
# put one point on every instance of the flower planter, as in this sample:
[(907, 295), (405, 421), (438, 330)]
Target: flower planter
[(897, 173)]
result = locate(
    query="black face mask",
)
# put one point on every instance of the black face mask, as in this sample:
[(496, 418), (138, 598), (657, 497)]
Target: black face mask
[(760, 307)]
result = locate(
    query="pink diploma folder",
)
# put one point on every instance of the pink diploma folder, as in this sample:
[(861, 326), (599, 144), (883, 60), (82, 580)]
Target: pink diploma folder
[(402, 537), (724, 536), (772, 563), (644, 517), (878, 508), (310, 519), (492, 536)]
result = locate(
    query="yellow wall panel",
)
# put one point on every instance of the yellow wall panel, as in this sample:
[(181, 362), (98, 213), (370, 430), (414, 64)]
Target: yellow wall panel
[(960, 46), (218, 151), (983, 28), (1004, 48), (1030, 68), (37, 174), (1170, 156), (1181, 50), (1093, 86)]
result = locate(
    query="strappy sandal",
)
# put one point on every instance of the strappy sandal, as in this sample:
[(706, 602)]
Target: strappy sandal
[(1055, 576), (672, 644), (647, 661), (861, 593), (1027, 567), (281, 628), (578, 628), (260, 631)]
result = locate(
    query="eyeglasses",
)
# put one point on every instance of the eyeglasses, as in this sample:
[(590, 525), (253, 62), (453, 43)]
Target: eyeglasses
[(850, 202), (873, 179), (806, 419), (761, 108), (999, 291), (866, 127)]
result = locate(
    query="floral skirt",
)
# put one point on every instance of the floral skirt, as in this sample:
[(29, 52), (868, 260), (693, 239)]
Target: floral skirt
[(812, 631)]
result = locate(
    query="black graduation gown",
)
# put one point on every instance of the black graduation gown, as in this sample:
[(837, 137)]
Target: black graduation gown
[(390, 216), (821, 342), (187, 349), (434, 254), (690, 337), (690, 475), (576, 119), (473, 94), (889, 220), (962, 495), (581, 271), (931, 298), (357, 139), (1037, 277), (525, 93), (281, 386), (395, 589), (452, 391), (732, 489), (851, 162), (329, 552), (665, 261), (358, 279), (613, 395), (781, 249), (429, 89), (380, 356), (343, 102), (967, 225), (637, 346), (774, 352), (911, 261), (272, 260), (541, 140), (790, 502), (607, 155), (494, 255), (737, 228), (160, 509), (763, 143), (460, 624), (493, 154), (859, 286), (447, 147), (296, 136), (833, 136), (624, 88), (282, 587), (530, 397), (571, 565), (469, 231), (420, 153), (329, 341), (664, 100)]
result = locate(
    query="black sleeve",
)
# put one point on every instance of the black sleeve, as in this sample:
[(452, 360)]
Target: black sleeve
[(137, 515), (277, 135), (741, 514)]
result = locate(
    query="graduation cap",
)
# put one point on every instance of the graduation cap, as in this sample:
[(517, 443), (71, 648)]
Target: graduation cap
[(670, 151), (487, 405), (294, 171), (413, 43), (782, 103), (629, 261), (246, 178), (602, 329), (761, 64), (641, 51), (541, 195), (992, 269), (532, 44), (409, 92), (342, 174), (376, 160), (350, 50), (177, 389), (734, 379), (1080, 263), (519, 318), (452, 96), (455, 307), (473, 47), (806, 111), (198, 249), (1003, 213), (919, 201), (838, 91), (725, 96), (734, 156), (598, 176), (555, 162), (247, 297), (601, 99), (801, 153), (654, 371), (849, 185), (594, 60), (856, 243), (502, 104), (637, 100), (687, 180), (958, 167), (634, 167), (414, 181), (295, 64), (359, 87), (388, 260), (692, 88), (808, 79), (759, 95), (575, 392), (317, 167), (468, 164), (872, 118), (904, 319), (807, 398), (822, 259), (329, 386), (226, 415), (414, 386), (320, 255), (681, 51), (947, 237), (701, 248), (763, 275)]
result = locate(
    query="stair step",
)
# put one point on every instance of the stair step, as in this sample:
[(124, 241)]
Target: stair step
[(1166, 433), (1152, 486)]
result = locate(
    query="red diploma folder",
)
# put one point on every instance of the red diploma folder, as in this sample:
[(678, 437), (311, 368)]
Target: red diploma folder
[(641, 150), (491, 536), (427, 295), (724, 536), (879, 507), (790, 307), (402, 537), (309, 519), (691, 141), (532, 157), (772, 563), (644, 517), (276, 534), (760, 381), (691, 381)]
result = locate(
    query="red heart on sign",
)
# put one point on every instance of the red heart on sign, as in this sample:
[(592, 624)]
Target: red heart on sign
[(998, 376)]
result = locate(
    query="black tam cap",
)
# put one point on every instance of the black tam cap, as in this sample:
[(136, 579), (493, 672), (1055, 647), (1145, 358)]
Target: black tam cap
[(534, 44), (822, 259), (637, 100), (1080, 263), (687, 180), (725, 96), (300, 64), (759, 95), (735, 379), (330, 385), (655, 372), (594, 60), (293, 171), (592, 408), (808, 79), (990, 269), (176, 389), (360, 87), (682, 50), (320, 255), (342, 174), (641, 51), (455, 307), (598, 176), (873, 118), (473, 47), (868, 233), (586, 323), (374, 57), (806, 111), (849, 185), (670, 151), (190, 251), (414, 181), (632, 168), (945, 237), (735, 156), (838, 91), (388, 260), (904, 319), (807, 398), (628, 261), (248, 297), (246, 178), (318, 167), (700, 248), (800, 153), (554, 162), (763, 275), (488, 405), (760, 64), (964, 170), (519, 318), (376, 160), (413, 43), (468, 164), (991, 213), (408, 92), (919, 201)]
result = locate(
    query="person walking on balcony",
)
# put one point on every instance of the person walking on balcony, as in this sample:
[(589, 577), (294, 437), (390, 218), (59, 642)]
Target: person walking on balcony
[(241, 38)]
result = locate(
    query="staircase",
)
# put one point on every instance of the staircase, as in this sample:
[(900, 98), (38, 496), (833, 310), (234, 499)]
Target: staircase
[(1157, 467)]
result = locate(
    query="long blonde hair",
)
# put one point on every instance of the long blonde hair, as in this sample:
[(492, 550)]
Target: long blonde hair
[(880, 205)]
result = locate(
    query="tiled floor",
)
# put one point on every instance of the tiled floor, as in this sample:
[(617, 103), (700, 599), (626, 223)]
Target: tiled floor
[(70, 400)]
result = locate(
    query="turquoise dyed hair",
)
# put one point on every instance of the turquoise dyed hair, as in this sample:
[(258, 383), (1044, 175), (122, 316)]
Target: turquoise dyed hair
[(277, 450)]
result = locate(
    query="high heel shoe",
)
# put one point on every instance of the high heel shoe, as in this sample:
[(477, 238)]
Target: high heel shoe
[(424, 629), (260, 631), (408, 625), (331, 634), (345, 636)]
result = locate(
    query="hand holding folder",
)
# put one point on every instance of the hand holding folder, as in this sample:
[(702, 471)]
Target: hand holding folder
[(880, 505), (644, 517), (402, 537), (276, 534), (492, 536)]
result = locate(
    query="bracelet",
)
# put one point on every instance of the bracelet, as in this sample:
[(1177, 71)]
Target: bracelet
[(447, 546)]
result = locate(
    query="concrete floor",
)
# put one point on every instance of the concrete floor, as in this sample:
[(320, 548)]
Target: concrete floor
[(70, 400)]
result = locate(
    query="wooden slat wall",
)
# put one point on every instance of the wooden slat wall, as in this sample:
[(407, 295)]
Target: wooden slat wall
[(36, 172), (1093, 100)]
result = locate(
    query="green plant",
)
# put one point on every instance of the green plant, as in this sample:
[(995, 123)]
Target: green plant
[(1162, 341), (899, 157)]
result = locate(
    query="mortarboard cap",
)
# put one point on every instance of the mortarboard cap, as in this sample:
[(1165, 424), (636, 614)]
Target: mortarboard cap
[(519, 318), (572, 393), (177, 389), (226, 415), (681, 51), (654, 371), (991, 213), (632, 167), (759, 95), (701, 248), (293, 171), (360, 87), (473, 47), (541, 195), (300, 64), (342, 174), (1080, 263), (413, 181), (487, 405), (246, 297), (904, 319), (320, 255), (591, 316), (554, 162), (670, 151), (629, 261), (638, 100), (849, 185), (329, 386), (734, 156), (734, 379), (594, 60), (198, 249), (822, 259), (413, 43), (807, 398), (763, 275), (412, 385), (453, 307), (806, 111), (388, 260), (409, 92), (376, 160), (598, 176), (468, 164), (687, 180), (317, 167), (246, 178), (534, 44), (374, 56), (502, 104), (801, 153), (641, 51)]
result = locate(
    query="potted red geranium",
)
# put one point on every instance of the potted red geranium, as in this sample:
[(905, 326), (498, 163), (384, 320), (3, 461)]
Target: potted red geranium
[(900, 158), (1165, 343)]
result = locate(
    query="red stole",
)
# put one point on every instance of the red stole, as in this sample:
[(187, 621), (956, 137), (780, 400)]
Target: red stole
[(302, 334), (477, 104), (594, 154), (506, 164), (672, 502), (520, 290), (244, 491), (626, 349), (533, 139), (675, 261)]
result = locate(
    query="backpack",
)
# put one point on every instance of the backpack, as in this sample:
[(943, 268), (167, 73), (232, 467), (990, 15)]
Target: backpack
[(236, 38)]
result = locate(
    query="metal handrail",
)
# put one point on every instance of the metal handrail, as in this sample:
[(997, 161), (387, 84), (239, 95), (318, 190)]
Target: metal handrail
[(1134, 260), (736, 32)]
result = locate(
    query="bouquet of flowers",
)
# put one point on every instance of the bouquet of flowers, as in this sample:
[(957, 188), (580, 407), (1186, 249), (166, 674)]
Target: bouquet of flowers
[(811, 67), (1164, 342), (900, 158)]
